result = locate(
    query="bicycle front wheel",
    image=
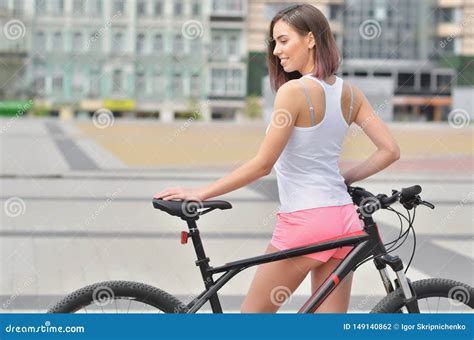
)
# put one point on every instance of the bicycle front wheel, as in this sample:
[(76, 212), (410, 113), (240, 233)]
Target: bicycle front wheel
[(119, 297), (433, 296)]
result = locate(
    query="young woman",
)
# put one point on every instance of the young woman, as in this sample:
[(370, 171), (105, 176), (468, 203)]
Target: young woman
[(312, 111)]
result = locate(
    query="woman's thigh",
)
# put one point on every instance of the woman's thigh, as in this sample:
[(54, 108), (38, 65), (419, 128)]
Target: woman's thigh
[(338, 301), (274, 283)]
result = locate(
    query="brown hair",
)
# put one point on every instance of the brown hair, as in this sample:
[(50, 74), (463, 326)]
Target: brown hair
[(304, 19)]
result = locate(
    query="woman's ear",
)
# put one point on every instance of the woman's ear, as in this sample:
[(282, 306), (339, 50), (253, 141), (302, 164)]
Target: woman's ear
[(311, 41)]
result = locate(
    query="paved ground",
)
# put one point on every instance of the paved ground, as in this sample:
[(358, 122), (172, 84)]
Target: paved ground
[(77, 209)]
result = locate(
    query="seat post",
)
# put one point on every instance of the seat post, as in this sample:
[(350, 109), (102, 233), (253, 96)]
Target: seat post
[(196, 237), (203, 264)]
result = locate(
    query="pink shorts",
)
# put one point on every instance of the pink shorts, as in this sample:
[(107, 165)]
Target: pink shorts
[(305, 227)]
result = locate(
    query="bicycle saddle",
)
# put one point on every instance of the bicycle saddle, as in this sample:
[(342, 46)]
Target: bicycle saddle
[(189, 209)]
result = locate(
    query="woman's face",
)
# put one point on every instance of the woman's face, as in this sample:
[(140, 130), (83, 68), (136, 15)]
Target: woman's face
[(293, 50)]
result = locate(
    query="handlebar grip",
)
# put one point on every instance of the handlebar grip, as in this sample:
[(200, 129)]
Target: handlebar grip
[(410, 191)]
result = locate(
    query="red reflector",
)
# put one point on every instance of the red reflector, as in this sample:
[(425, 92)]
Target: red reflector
[(184, 237)]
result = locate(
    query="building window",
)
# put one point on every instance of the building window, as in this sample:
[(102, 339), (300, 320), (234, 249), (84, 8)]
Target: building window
[(196, 8), (95, 42), (117, 81), (218, 79), (177, 84), (40, 7), (226, 82), (141, 8), (57, 83), (95, 7), (57, 7), (177, 8), (425, 80), (39, 82), (18, 7), (77, 43), (178, 44), (78, 7), (94, 82), (158, 83), (158, 8), (446, 14), (58, 41), (406, 81), (158, 43), (77, 82), (233, 46), (335, 12), (117, 43), (140, 83), (195, 47), (140, 43), (195, 85), (234, 82), (118, 6), (217, 46), (232, 6), (443, 82), (40, 41)]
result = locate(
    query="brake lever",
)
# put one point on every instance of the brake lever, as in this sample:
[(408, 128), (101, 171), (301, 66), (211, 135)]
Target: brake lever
[(428, 204)]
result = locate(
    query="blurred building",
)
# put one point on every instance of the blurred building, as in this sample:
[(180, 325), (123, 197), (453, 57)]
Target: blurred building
[(14, 45), (173, 58), (411, 58), (455, 43), (395, 40), (162, 58)]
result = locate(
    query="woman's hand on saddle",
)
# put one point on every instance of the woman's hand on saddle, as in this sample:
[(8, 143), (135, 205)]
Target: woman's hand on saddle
[(180, 193)]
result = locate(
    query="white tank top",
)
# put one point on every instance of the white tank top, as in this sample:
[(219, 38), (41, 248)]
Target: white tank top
[(307, 170)]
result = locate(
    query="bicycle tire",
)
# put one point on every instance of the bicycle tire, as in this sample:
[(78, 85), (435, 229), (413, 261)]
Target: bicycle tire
[(441, 288), (93, 295)]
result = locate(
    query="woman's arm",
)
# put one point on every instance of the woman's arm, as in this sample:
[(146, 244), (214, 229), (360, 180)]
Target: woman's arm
[(284, 116), (387, 151)]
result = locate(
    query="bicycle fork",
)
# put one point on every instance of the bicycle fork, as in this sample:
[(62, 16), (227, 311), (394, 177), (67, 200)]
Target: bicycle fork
[(401, 281)]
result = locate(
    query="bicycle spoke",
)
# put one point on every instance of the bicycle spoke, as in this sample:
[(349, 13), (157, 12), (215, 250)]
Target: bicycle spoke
[(437, 306), (428, 305), (129, 303)]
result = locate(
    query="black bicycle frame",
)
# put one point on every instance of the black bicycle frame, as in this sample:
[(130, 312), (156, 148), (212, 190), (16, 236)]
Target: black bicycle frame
[(366, 244)]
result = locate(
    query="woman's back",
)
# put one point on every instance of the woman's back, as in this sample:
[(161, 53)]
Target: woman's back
[(307, 170)]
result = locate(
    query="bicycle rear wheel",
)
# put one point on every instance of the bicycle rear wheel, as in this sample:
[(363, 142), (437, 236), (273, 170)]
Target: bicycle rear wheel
[(119, 297), (433, 296)]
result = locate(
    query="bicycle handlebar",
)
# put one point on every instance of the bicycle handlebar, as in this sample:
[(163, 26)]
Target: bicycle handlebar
[(408, 197)]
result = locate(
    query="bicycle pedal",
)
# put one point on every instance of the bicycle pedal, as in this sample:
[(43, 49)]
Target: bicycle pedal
[(184, 237)]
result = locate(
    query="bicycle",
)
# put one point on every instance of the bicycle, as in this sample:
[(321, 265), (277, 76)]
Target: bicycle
[(403, 296)]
